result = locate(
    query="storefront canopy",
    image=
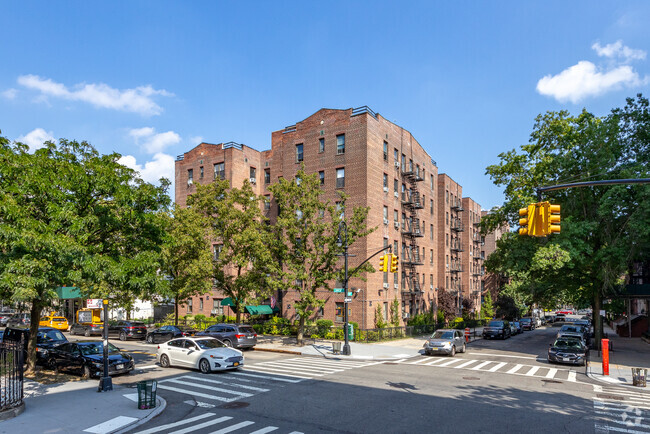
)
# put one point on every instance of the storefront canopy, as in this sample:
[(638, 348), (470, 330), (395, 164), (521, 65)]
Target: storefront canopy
[(227, 302), (67, 292), (262, 309)]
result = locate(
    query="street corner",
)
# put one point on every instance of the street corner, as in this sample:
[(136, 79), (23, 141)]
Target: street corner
[(616, 377)]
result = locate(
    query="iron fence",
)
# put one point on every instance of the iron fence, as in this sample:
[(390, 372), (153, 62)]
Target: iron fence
[(11, 374)]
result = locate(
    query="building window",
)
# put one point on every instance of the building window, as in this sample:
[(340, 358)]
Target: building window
[(201, 304), (403, 163), (267, 203), (385, 150), (447, 240), (431, 206), (321, 145), (217, 308), (299, 156), (396, 216), (430, 256), (396, 155), (189, 306), (431, 280), (386, 213), (339, 312), (190, 176), (267, 176), (447, 196), (447, 218), (340, 144), (220, 170), (216, 251), (431, 183), (340, 177), (253, 174), (430, 232), (396, 185), (386, 181), (340, 210), (201, 172), (395, 248), (410, 165), (321, 177)]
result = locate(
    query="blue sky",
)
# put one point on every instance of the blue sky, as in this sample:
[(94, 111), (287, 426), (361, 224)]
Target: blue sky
[(150, 80)]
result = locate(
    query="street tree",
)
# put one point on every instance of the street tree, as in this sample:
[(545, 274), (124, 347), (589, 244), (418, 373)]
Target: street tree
[(307, 241), (66, 212), (446, 305)]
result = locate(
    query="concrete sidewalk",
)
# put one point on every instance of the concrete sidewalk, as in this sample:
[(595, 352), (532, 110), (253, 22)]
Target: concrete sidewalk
[(77, 407), (625, 354)]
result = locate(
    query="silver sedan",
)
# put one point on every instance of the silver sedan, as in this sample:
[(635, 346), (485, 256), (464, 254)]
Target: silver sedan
[(445, 341)]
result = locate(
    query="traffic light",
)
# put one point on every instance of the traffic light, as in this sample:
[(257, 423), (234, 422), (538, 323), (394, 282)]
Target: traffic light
[(383, 263), (528, 221), (539, 219), (553, 219), (394, 261)]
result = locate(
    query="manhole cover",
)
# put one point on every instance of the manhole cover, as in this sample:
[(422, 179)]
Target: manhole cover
[(235, 405), (471, 378), (619, 398), (551, 381)]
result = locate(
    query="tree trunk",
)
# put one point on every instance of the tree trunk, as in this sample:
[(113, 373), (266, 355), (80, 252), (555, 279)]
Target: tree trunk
[(35, 316), (175, 310), (301, 330), (237, 315), (598, 323)]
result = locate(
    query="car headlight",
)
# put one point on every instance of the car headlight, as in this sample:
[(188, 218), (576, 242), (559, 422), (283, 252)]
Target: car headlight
[(43, 351), (447, 344)]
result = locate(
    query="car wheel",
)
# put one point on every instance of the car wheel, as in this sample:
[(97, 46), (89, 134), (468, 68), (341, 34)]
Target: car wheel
[(87, 333), (86, 372), (453, 351), (122, 336), (164, 361), (150, 339), (204, 366), (227, 343), (464, 348)]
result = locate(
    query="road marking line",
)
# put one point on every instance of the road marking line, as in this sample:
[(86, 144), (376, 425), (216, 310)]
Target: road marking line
[(199, 404), (111, 425), (204, 386), (515, 369), (495, 368), (448, 362), (232, 428), (287, 380), (297, 367), (606, 429), (175, 424), (479, 366), (613, 405), (316, 365), (419, 361), (265, 370), (258, 389), (265, 430), (505, 355), (572, 376), (551, 373), (434, 362), (147, 367), (532, 371), (194, 393), (333, 362), (467, 363), (201, 425), (598, 388)]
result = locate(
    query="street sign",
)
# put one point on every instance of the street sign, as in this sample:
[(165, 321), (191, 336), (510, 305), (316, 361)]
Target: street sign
[(338, 289), (94, 303), (347, 299), (349, 293)]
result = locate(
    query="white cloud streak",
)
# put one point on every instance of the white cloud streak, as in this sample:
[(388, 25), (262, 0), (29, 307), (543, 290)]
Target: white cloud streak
[(618, 50), (151, 142), (36, 138), (161, 166), (10, 93), (138, 100)]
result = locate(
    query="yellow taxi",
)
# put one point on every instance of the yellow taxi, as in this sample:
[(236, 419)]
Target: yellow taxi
[(54, 321)]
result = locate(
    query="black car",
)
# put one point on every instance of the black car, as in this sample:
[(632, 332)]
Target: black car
[(19, 319), (47, 339), (497, 329), (233, 335), (87, 329), (527, 323), (568, 349), (127, 330), (165, 333), (87, 358)]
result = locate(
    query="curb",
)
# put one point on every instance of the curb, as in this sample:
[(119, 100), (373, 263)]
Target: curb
[(273, 350), (595, 377), (12, 412), (162, 404)]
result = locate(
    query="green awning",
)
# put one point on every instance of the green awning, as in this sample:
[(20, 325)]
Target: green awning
[(262, 309), (66, 292), (227, 302)]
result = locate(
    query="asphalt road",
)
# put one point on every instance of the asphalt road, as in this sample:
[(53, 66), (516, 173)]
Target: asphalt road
[(496, 386)]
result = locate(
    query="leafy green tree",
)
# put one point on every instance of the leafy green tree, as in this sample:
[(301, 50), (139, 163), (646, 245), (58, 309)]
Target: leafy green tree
[(186, 256), (69, 215), (394, 313), (305, 240), (487, 309), (380, 322), (243, 262), (604, 228)]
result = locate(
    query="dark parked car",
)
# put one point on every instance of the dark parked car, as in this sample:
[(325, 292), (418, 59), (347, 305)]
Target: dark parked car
[(127, 330), (560, 317), (568, 349), (165, 333), (19, 319), (233, 335), (497, 329), (87, 358), (527, 323), (47, 339), (86, 329)]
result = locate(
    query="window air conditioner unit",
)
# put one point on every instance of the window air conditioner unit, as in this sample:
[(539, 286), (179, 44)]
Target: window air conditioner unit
[(405, 315), (385, 189), (397, 164), (385, 221), (213, 311), (189, 182), (385, 285), (396, 225), (252, 180), (395, 285), (395, 194)]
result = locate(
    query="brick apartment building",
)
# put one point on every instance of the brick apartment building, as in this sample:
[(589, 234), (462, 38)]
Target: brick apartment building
[(380, 165)]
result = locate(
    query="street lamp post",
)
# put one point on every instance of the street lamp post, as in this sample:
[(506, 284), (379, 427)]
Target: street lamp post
[(343, 226), (105, 383)]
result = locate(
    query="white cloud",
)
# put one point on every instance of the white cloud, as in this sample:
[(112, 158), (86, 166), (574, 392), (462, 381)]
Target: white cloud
[(585, 79), (10, 93), (196, 140), (161, 166), (36, 138), (138, 100), (617, 49), (151, 142)]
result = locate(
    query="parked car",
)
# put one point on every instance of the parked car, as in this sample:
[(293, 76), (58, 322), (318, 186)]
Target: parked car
[(568, 349), (87, 329), (233, 335), (19, 319), (527, 323), (54, 321), (574, 330), (4, 317), (497, 329), (47, 339), (445, 341), (87, 358), (203, 353), (559, 317), (165, 333), (127, 330), (516, 325), (587, 325)]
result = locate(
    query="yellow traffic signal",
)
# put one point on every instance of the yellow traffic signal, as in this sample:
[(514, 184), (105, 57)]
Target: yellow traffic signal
[(553, 223), (539, 219), (383, 263), (528, 220), (394, 261)]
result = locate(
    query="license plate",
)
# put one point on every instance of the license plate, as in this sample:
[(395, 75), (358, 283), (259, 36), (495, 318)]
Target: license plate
[(236, 364), (566, 359), (120, 366)]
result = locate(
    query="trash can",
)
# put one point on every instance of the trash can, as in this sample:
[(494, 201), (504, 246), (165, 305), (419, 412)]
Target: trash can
[(639, 376), (147, 394), (336, 347)]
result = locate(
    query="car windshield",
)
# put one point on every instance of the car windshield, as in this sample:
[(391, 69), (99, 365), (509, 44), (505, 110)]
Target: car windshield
[(573, 329), (443, 335), (95, 348), (50, 336), (208, 344), (59, 318), (568, 343), (496, 323), (246, 329), (525, 320)]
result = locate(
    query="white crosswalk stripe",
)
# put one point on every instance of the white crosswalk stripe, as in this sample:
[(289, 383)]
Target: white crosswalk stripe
[(199, 423), (307, 367), (621, 410)]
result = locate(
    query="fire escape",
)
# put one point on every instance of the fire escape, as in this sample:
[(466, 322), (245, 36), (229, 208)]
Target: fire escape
[(456, 267), (477, 264), (412, 293)]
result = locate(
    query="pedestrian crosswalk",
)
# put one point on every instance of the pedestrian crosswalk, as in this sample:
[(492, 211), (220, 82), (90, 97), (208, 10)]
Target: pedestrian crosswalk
[(301, 368), (546, 372), (208, 421), (619, 410)]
